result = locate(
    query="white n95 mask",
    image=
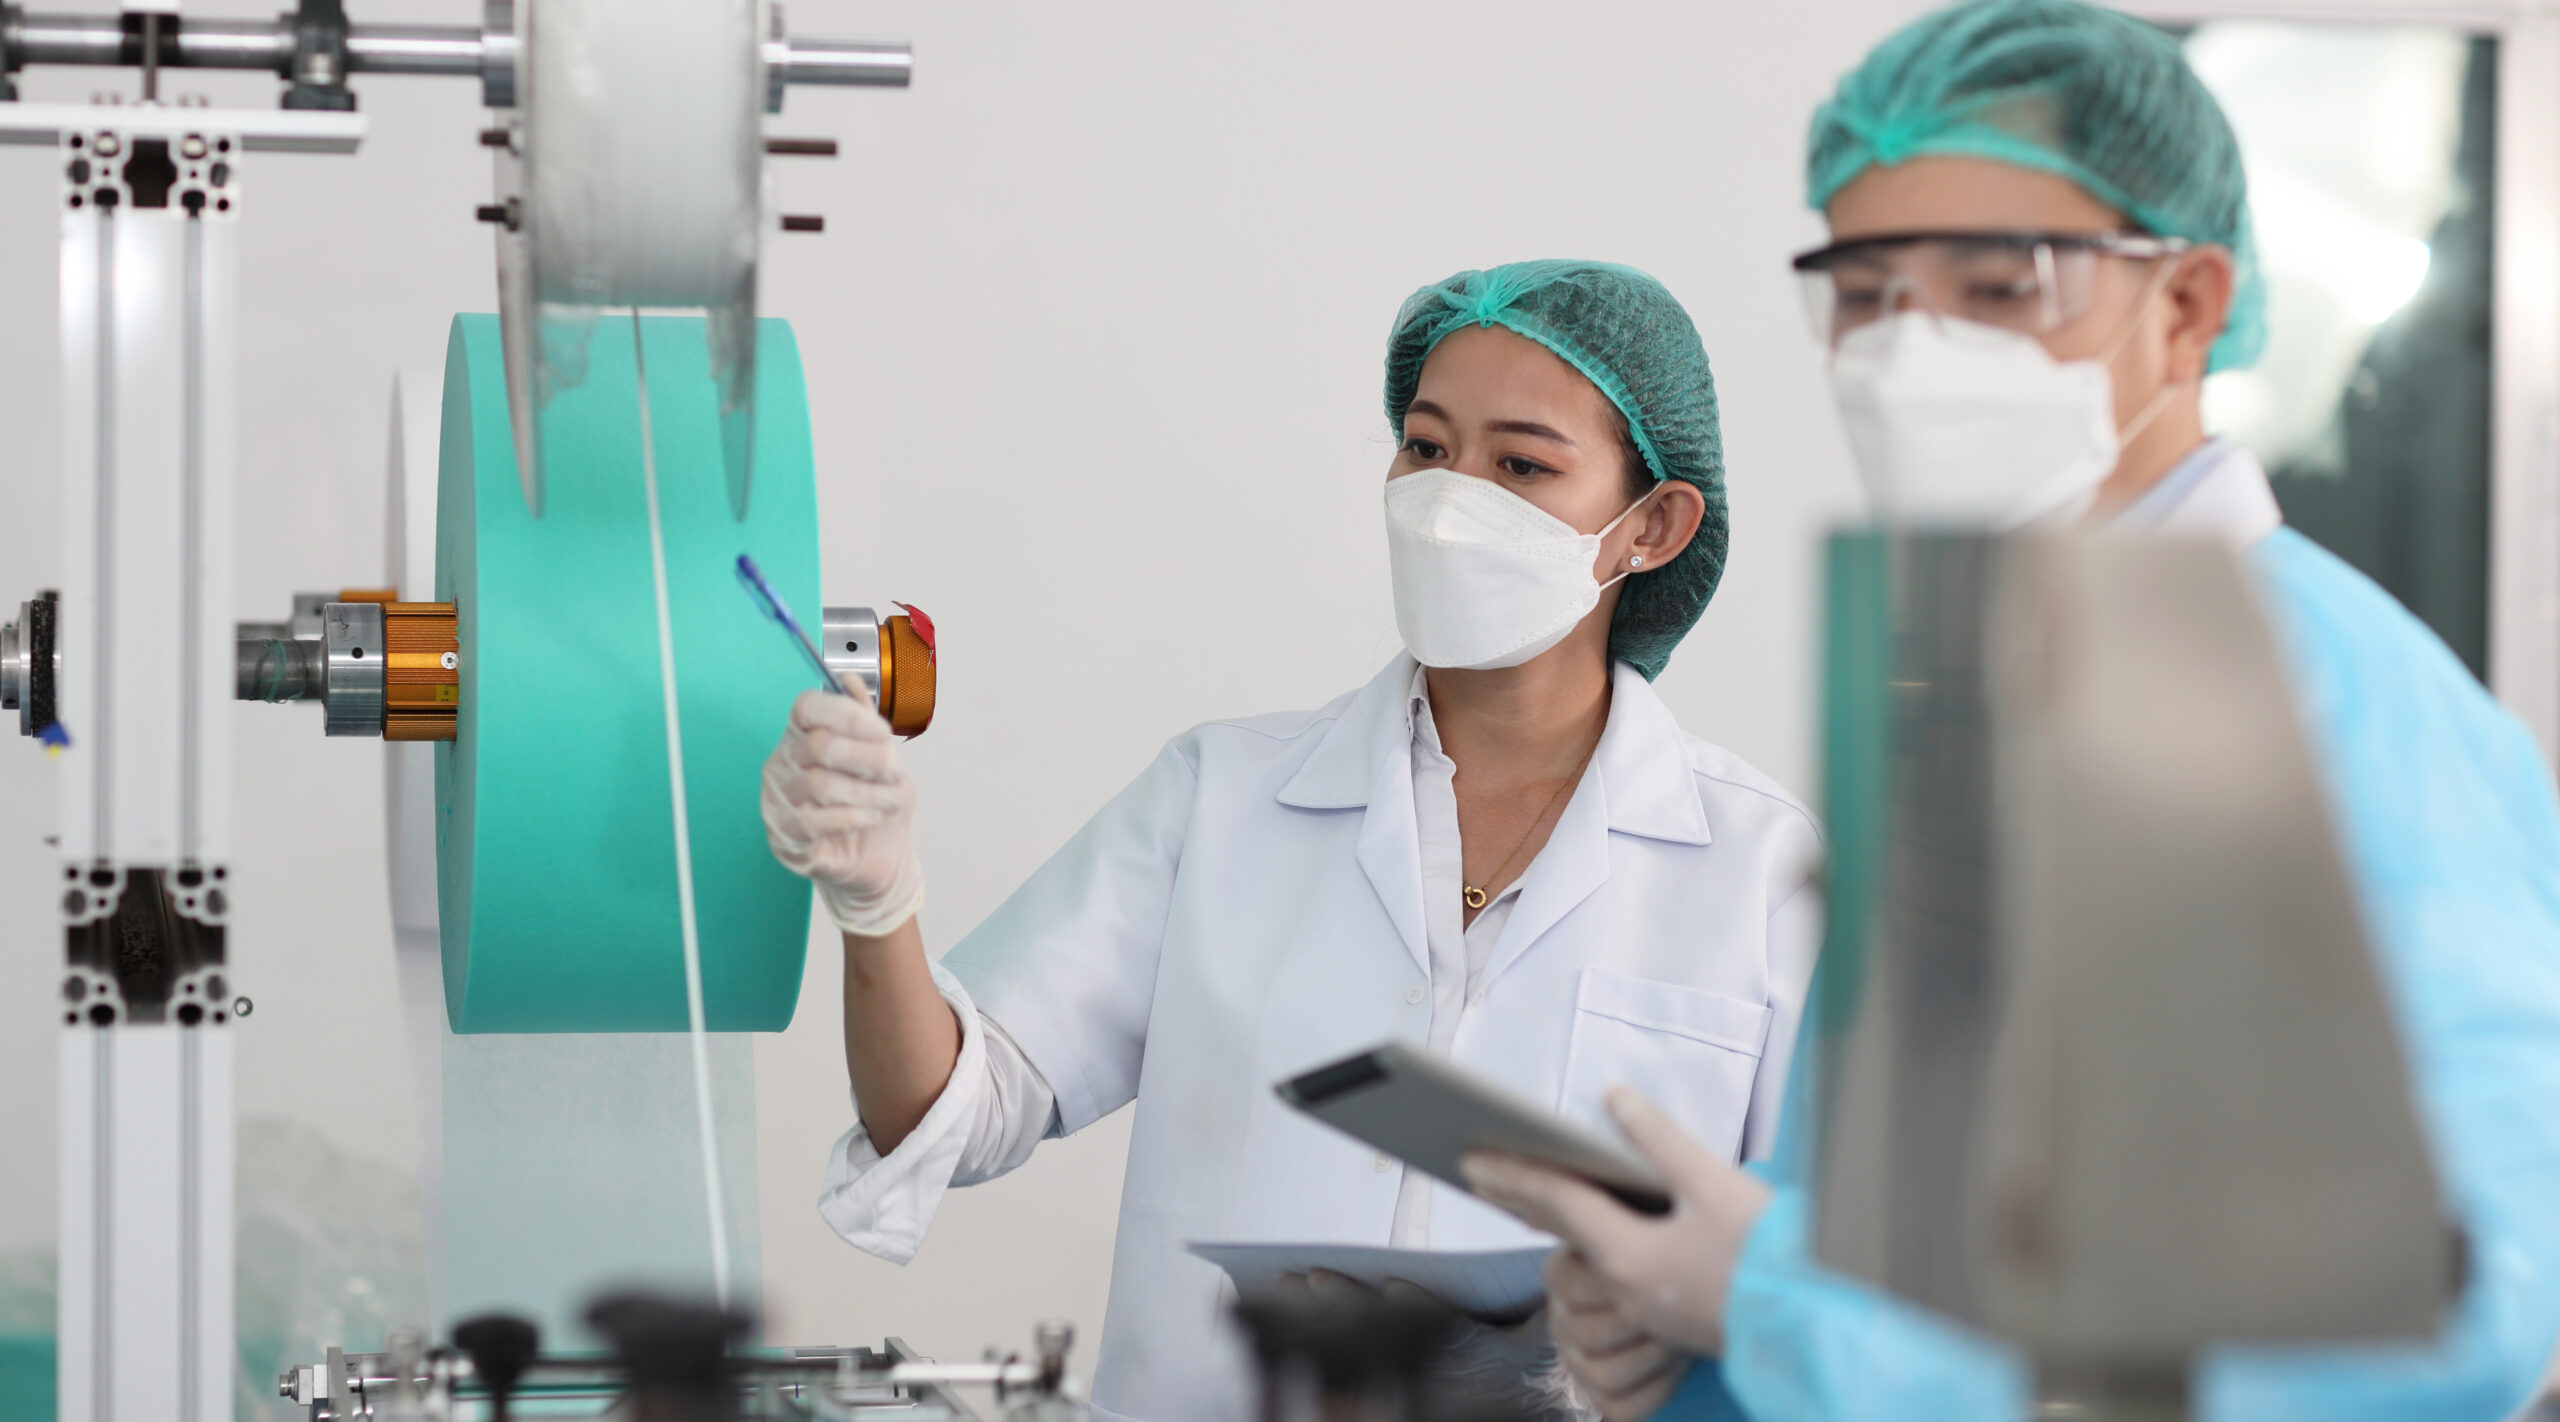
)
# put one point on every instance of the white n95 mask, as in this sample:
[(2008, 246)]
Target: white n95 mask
[(1960, 424), (1484, 578)]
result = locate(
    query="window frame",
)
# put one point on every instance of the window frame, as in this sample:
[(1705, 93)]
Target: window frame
[(2524, 356)]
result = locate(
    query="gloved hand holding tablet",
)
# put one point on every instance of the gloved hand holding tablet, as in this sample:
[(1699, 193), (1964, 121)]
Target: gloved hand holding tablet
[(1429, 1113)]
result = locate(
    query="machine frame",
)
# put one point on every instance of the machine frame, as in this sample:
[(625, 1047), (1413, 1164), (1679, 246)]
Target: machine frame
[(144, 654)]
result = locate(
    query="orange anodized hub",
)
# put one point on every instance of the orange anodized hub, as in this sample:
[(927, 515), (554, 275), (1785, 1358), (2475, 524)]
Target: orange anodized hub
[(422, 671), (906, 675)]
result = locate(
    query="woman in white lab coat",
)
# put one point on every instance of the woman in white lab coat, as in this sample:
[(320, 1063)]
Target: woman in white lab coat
[(1502, 847)]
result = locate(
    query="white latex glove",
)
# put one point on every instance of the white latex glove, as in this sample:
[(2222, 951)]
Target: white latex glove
[(1627, 1373), (1668, 1274), (839, 810)]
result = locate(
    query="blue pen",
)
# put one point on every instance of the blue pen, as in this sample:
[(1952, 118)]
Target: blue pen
[(772, 606)]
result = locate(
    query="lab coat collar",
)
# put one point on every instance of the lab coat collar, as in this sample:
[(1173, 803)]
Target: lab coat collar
[(2218, 491), (1366, 756), (1368, 743), (1639, 782), (1644, 767)]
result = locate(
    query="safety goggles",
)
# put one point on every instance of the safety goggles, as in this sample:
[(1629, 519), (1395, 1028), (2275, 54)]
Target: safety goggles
[(2030, 282)]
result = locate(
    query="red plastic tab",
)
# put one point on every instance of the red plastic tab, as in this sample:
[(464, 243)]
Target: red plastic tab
[(923, 626)]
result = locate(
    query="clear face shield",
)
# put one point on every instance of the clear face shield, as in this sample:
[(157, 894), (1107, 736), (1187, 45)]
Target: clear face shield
[(2027, 283)]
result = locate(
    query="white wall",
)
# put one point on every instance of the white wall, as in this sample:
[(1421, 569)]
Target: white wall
[(1093, 340)]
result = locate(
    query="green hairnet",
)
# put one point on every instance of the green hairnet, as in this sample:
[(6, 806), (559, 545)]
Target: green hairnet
[(2063, 87), (1628, 335)]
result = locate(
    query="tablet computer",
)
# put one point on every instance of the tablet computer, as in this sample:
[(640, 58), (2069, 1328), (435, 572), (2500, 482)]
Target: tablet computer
[(1428, 1112)]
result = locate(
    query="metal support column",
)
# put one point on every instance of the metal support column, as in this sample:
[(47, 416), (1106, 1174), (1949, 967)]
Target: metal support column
[(148, 207)]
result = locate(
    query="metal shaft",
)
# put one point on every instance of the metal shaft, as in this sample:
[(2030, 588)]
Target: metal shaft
[(415, 49), (182, 42), (186, 42), (875, 64), (272, 666), (14, 676)]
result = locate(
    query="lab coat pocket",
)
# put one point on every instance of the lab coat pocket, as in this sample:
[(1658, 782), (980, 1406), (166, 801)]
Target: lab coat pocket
[(1693, 1052)]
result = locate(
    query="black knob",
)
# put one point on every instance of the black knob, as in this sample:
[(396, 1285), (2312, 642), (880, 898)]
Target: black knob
[(1367, 1347), (500, 1346), (676, 1352)]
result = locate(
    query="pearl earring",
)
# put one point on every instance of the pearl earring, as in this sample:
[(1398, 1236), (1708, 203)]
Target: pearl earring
[(1636, 562)]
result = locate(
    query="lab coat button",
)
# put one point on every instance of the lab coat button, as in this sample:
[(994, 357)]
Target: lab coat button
[(1413, 994), (1381, 1164)]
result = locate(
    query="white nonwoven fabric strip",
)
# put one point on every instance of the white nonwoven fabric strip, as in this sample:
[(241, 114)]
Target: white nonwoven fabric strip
[(569, 1171), (696, 1034)]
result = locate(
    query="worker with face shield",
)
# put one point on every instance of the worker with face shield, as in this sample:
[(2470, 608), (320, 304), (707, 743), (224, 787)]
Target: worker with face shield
[(2040, 246), (1503, 848)]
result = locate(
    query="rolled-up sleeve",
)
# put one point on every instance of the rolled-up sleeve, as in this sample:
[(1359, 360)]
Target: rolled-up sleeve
[(990, 1115), (1053, 994)]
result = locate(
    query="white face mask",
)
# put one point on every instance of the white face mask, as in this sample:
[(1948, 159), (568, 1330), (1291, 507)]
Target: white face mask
[(1484, 578), (1958, 424)]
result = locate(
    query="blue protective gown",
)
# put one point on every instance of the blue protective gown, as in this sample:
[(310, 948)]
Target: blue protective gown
[(2450, 829)]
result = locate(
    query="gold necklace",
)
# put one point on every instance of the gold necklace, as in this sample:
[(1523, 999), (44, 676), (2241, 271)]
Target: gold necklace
[(1474, 897)]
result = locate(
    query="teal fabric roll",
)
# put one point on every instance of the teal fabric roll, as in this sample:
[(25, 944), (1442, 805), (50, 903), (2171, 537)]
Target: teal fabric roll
[(555, 845), (26, 1376)]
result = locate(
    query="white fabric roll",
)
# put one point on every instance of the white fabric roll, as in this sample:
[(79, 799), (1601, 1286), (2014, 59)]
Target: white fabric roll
[(637, 178), (643, 144)]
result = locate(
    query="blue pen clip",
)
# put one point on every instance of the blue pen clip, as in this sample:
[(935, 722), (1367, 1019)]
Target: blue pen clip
[(752, 579)]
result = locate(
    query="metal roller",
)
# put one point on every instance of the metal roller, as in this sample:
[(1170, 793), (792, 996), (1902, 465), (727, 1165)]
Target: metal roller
[(894, 661), (286, 47), (378, 666), (31, 664)]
